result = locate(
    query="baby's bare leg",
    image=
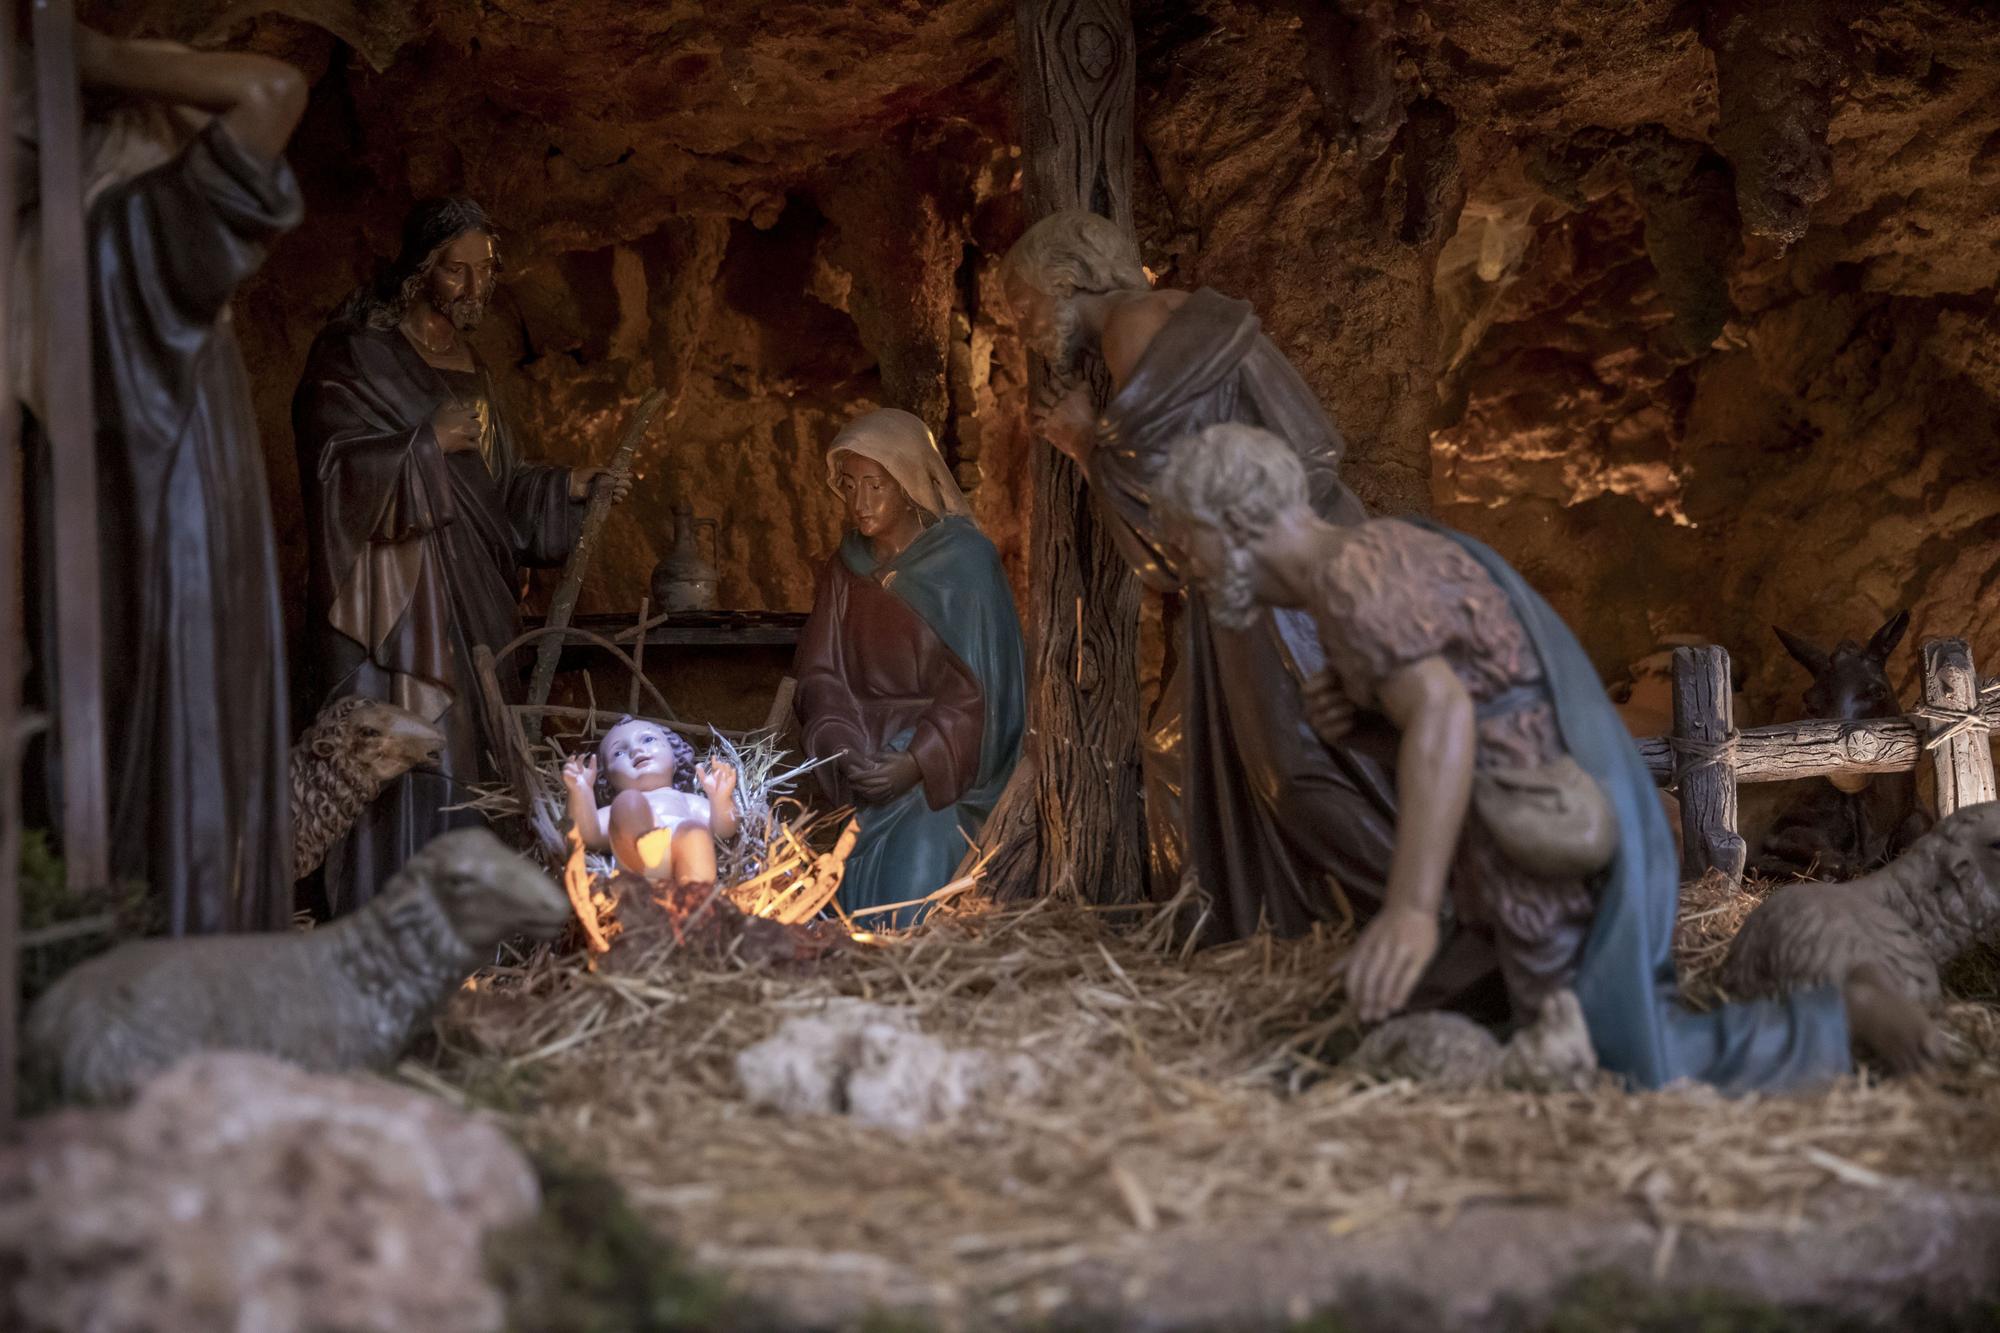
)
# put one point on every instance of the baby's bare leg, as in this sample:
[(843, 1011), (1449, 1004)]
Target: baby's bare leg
[(632, 819), (693, 854)]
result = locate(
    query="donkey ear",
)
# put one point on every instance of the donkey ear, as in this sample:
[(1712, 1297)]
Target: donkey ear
[(1889, 636), (1807, 656)]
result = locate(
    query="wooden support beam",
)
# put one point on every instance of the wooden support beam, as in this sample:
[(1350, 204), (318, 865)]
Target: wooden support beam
[(1704, 732), (1793, 750), (1961, 752), (13, 637), (66, 397)]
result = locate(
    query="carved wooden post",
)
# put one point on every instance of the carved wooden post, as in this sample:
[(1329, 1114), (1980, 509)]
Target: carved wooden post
[(66, 372), (12, 639), (1071, 821), (1961, 753), (1704, 745)]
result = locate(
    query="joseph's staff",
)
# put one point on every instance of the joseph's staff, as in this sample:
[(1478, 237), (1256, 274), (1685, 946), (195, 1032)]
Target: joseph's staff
[(563, 605)]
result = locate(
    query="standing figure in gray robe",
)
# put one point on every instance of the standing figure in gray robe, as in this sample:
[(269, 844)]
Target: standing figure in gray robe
[(421, 513), (185, 189), (1276, 826)]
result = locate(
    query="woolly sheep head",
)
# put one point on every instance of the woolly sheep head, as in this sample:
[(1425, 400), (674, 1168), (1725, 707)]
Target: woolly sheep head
[(385, 740)]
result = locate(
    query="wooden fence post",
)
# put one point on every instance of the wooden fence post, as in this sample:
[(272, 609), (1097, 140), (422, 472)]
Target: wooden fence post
[(1961, 751), (1704, 742), (13, 651)]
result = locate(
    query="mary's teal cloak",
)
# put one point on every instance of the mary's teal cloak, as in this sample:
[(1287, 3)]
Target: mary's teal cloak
[(1626, 983), (965, 733)]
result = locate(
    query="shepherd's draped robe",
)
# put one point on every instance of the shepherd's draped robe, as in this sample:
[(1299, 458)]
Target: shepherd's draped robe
[(196, 703), (1270, 817), (416, 560), (923, 655), (1625, 979)]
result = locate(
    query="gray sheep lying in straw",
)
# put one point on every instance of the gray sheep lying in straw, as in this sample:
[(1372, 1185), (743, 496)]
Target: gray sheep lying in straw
[(351, 751), (1908, 919), (350, 995)]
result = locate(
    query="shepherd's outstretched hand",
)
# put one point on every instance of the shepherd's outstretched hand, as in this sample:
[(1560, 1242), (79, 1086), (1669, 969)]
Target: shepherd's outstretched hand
[(1392, 953), (1328, 709)]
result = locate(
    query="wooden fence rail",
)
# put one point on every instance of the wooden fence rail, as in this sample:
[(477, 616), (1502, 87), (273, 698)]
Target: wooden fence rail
[(1706, 757)]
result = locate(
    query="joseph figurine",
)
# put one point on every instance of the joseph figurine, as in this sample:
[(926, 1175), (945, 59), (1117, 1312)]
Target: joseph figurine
[(1266, 811), (186, 188), (422, 513)]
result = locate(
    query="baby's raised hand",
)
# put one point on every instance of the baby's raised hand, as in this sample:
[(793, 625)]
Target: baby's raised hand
[(580, 774), (718, 780)]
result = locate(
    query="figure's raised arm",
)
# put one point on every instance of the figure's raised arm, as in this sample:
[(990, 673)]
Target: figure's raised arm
[(1131, 322), (259, 99)]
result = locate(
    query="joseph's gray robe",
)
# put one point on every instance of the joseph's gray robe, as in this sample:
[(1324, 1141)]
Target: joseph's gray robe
[(416, 559)]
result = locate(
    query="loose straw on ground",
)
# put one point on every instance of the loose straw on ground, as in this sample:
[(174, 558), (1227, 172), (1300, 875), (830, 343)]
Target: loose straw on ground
[(1177, 1090)]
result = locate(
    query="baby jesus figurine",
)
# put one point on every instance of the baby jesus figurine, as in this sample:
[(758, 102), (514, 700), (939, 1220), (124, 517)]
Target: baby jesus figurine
[(653, 827), (1498, 711)]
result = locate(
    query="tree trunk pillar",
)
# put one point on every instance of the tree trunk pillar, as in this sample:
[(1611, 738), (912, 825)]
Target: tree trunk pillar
[(1071, 819)]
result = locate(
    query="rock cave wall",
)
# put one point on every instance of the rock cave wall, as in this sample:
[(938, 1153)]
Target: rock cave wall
[(1689, 308)]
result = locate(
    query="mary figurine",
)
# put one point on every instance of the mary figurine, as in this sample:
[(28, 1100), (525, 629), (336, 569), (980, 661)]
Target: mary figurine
[(910, 667)]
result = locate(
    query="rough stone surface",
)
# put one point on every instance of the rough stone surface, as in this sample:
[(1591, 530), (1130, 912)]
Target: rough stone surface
[(1688, 308), (240, 1193), (1495, 1267)]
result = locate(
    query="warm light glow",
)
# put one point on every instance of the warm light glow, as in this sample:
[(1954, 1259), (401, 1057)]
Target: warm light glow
[(861, 936)]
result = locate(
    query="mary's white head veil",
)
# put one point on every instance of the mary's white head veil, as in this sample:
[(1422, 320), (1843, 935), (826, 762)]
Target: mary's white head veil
[(902, 443)]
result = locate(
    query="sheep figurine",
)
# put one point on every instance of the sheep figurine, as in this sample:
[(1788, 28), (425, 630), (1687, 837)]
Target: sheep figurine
[(351, 995), (1902, 923), (351, 751)]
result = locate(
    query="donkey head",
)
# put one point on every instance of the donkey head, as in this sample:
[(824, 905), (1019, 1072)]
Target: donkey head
[(1852, 681)]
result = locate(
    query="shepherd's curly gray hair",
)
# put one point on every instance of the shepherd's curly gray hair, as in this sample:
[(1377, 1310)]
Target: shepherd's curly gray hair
[(1234, 478), (1237, 480), (1074, 251)]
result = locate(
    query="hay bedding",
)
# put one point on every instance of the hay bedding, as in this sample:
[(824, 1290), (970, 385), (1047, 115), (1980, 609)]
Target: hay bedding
[(1176, 1090)]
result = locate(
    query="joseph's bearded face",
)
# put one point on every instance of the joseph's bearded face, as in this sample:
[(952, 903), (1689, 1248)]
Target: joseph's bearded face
[(460, 284)]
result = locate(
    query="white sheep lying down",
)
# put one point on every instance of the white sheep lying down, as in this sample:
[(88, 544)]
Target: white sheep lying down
[(351, 995)]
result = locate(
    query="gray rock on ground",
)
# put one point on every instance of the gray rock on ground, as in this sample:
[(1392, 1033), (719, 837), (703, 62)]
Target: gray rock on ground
[(872, 1062), (241, 1194), (1451, 1052)]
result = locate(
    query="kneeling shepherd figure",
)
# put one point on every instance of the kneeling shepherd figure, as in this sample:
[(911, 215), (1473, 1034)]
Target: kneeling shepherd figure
[(1517, 785), (910, 667)]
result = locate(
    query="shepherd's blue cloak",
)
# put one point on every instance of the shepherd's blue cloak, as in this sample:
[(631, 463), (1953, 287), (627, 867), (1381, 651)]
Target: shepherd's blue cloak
[(1631, 1001)]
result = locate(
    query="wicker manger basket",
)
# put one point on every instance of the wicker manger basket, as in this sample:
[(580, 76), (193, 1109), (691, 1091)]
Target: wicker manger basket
[(786, 859)]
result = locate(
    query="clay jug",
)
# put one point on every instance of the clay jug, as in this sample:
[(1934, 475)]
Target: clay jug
[(685, 581)]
